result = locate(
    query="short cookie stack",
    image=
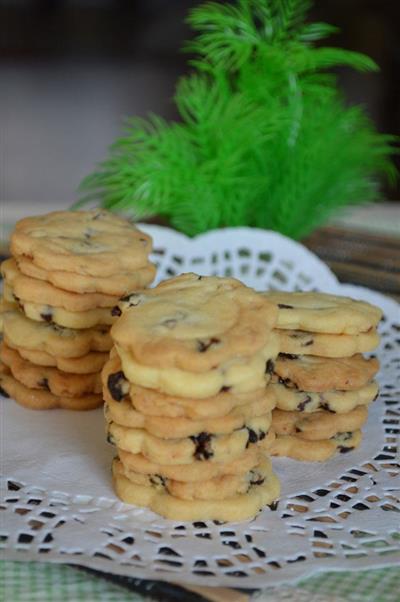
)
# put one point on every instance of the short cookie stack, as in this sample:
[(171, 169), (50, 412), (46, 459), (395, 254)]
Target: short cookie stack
[(322, 382), (66, 273), (187, 401)]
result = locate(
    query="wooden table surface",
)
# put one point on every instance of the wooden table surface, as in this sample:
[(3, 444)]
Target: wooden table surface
[(359, 257)]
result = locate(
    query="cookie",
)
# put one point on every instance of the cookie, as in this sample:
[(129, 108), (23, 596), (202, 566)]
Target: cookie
[(59, 315), (62, 384), (94, 243), (319, 425), (292, 446), (27, 289), (196, 471), (218, 488), (194, 323), (35, 399), (332, 401), (123, 412), (200, 447), (86, 364), (68, 319), (213, 408), (116, 284), (20, 332), (320, 312), (239, 507), (238, 375), (298, 342), (153, 403), (5, 306), (318, 374)]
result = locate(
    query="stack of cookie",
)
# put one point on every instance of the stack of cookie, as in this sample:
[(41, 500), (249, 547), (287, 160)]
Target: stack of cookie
[(187, 404), (66, 273), (322, 382)]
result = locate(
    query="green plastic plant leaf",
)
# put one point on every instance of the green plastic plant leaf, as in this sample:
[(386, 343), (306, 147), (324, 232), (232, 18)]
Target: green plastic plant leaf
[(264, 137)]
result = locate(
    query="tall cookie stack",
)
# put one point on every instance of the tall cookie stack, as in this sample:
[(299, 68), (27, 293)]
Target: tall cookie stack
[(322, 382), (187, 404), (66, 273)]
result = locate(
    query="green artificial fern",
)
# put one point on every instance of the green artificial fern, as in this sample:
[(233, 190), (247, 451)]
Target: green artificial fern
[(264, 139)]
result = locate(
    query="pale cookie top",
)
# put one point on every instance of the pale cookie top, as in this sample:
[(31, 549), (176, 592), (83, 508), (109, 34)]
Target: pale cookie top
[(317, 374), (96, 242), (38, 291), (194, 323), (53, 339), (320, 312)]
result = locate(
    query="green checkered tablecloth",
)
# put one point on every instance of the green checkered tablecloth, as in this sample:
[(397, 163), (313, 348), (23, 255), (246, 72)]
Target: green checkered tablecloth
[(37, 582)]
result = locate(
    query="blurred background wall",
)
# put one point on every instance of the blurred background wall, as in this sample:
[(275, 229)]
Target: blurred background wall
[(71, 70)]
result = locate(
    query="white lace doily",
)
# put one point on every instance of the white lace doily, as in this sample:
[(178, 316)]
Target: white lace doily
[(57, 503)]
